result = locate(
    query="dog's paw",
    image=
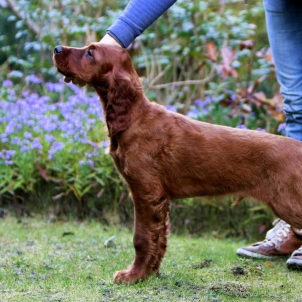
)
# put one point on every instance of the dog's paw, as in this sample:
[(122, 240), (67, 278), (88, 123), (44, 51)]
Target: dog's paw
[(128, 276)]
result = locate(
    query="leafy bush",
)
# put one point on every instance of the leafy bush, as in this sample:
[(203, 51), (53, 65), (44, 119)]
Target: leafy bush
[(62, 142), (201, 52), (197, 51)]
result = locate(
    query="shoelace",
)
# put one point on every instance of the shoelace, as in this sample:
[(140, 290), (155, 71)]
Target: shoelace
[(278, 224), (281, 229), (297, 252)]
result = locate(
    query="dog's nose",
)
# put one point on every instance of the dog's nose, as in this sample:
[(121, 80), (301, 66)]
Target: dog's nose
[(58, 49)]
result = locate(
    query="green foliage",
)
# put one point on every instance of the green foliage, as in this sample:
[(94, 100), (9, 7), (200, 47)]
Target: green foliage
[(33, 29), (61, 143), (221, 217), (201, 50), (195, 50)]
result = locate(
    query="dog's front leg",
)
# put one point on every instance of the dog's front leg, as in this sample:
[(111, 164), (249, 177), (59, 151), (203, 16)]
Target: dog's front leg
[(151, 230)]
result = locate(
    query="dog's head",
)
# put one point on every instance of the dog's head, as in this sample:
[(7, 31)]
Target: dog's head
[(110, 71), (93, 64)]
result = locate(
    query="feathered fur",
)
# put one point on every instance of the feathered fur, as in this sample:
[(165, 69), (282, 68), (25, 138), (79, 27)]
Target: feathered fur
[(164, 155)]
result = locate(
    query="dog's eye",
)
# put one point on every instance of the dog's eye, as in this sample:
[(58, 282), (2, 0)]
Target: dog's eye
[(89, 52)]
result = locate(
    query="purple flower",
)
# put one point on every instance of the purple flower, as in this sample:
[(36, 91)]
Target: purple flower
[(4, 138), (10, 154), (54, 87), (16, 141), (7, 83), (193, 113), (49, 138), (199, 103), (93, 144), (204, 103), (228, 97), (200, 107), (48, 125), (88, 155), (24, 148), (171, 108), (25, 94), (75, 88), (90, 162), (33, 79), (56, 146), (30, 120), (30, 123), (28, 135), (242, 126), (36, 144), (281, 127), (7, 154), (104, 144)]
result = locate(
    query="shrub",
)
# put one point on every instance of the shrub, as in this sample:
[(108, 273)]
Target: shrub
[(58, 138)]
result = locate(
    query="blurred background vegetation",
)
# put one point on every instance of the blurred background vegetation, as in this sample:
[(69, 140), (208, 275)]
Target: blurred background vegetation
[(209, 60)]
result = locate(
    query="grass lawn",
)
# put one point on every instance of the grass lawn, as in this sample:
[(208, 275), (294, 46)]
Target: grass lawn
[(42, 261)]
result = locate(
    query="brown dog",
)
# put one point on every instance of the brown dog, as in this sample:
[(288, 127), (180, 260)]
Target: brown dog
[(164, 155)]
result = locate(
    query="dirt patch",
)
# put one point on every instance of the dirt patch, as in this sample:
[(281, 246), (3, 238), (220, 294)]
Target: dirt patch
[(202, 264), (238, 270), (230, 289)]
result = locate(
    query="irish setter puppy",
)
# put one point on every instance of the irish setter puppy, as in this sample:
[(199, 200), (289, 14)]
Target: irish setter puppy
[(164, 155)]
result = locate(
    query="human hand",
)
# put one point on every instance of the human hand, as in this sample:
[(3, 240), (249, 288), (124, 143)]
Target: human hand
[(107, 39)]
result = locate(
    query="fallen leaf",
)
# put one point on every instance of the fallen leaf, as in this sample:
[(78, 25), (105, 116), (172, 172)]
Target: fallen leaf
[(268, 264), (211, 51), (248, 44), (109, 242)]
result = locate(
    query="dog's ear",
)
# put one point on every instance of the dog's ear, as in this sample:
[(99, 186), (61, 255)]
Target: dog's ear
[(122, 93)]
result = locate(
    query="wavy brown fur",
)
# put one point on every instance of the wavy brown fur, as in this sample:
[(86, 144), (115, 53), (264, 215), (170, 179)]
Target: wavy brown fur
[(164, 155)]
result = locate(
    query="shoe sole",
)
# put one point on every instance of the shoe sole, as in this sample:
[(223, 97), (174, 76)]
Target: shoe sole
[(245, 253), (294, 264)]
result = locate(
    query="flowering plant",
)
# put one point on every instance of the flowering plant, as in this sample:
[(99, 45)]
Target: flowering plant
[(56, 137)]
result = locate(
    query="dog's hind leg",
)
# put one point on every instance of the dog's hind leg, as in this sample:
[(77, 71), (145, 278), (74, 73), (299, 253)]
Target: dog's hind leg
[(151, 230)]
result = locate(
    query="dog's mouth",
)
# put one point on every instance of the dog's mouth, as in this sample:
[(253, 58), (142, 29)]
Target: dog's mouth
[(66, 74), (68, 77)]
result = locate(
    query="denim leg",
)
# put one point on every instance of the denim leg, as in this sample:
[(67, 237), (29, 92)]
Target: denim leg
[(284, 27)]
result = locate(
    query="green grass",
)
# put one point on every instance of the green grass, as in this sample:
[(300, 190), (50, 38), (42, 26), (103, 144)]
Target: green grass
[(42, 261)]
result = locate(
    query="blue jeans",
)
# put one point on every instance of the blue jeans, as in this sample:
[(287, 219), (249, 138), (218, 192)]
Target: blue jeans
[(284, 27)]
